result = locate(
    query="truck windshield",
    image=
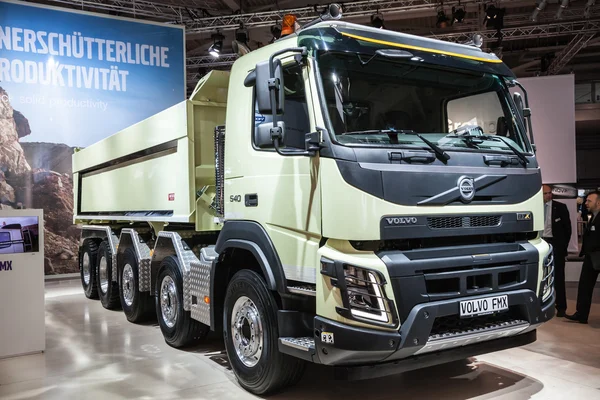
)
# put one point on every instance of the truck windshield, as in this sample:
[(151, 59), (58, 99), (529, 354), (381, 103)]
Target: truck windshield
[(367, 97)]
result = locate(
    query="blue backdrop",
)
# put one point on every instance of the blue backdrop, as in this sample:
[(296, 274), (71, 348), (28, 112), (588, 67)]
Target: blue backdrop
[(80, 77)]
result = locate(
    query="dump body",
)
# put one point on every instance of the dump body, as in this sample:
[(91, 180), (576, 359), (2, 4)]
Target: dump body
[(153, 170)]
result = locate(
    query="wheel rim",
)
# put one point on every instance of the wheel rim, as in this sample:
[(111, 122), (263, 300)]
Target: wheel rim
[(169, 303), (128, 284), (103, 274), (85, 266), (247, 331)]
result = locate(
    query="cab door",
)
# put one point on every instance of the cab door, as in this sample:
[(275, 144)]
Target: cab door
[(281, 193)]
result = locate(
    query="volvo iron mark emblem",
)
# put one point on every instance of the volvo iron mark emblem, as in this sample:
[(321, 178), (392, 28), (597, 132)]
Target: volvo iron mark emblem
[(466, 187)]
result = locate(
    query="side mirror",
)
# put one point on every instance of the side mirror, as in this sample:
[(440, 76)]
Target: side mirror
[(519, 103), (263, 85), (521, 109), (263, 138)]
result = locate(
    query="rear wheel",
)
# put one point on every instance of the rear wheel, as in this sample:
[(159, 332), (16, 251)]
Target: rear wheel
[(87, 267), (251, 334), (107, 289), (137, 306), (176, 324)]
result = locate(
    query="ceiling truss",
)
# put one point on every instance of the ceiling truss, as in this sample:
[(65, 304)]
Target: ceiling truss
[(575, 45), (586, 28), (202, 17)]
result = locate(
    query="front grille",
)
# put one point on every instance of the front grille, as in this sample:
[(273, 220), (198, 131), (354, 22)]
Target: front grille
[(464, 281), (476, 221)]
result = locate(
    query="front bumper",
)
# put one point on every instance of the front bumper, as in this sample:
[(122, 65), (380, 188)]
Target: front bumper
[(377, 353)]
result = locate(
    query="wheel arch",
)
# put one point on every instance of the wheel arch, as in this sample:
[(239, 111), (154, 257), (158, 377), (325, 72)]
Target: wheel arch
[(240, 240), (132, 239), (171, 244)]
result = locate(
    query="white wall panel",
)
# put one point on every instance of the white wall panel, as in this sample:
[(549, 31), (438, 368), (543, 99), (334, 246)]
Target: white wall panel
[(552, 103)]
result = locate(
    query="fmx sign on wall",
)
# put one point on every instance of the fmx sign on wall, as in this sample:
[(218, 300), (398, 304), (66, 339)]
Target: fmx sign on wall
[(80, 77), (69, 79)]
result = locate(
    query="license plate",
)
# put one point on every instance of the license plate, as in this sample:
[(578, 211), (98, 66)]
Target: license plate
[(487, 305)]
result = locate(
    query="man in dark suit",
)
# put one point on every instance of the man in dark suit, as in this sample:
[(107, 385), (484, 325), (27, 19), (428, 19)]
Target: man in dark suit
[(557, 232), (589, 275)]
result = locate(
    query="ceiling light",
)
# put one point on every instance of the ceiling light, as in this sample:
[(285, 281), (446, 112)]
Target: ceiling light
[(215, 49), (377, 21), (494, 17), (563, 5), (442, 20), (538, 8), (241, 34), (276, 31), (458, 15)]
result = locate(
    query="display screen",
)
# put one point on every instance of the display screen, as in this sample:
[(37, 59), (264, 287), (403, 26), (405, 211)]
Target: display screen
[(19, 235)]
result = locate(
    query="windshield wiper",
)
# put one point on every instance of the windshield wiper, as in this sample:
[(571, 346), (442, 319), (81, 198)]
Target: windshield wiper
[(518, 152), (393, 135), (440, 154)]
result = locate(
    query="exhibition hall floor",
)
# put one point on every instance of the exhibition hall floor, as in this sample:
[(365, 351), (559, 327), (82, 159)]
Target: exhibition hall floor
[(93, 353)]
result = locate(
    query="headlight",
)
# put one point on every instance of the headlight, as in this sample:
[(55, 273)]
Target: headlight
[(362, 291), (547, 283), (364, 294)]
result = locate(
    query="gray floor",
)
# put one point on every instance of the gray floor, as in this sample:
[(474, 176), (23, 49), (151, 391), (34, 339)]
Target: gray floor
[(93, 353)]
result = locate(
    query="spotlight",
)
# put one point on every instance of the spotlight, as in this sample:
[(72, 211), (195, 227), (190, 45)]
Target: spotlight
[(538, 8), (442, 20), (215, 49), (377, 21), (276, 31), (334, 11), (241, 34), (476, 40), (563, 5), (458, 15), (494, 17), (588, 7)]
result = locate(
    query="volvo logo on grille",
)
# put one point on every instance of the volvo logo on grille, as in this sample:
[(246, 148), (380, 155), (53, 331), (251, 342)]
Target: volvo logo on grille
[(401, 220), (466, 187)]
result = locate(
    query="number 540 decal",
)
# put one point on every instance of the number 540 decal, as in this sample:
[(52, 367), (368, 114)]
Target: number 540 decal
[(235, 198)]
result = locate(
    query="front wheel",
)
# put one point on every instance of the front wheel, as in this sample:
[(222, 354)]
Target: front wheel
[(251, 336)]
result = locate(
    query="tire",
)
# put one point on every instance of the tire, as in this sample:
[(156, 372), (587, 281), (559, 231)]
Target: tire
[(137, 306), (265, 370), (87, 268), (176, 324), (108, 291)]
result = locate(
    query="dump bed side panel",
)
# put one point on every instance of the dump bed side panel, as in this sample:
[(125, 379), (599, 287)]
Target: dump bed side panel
[(151, 180), (163, 127), (159, 184)]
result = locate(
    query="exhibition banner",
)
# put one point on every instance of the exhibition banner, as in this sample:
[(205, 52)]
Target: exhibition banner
[(69, 79)]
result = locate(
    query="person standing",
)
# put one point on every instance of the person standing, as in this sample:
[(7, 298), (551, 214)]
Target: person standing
[(557, 232), (589, 249)]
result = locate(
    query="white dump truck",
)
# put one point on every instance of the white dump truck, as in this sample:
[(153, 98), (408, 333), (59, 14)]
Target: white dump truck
[(349, 196)]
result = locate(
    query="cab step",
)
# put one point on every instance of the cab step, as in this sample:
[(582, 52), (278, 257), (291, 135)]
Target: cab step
[(305, 289), (301, 347), (302, 343)]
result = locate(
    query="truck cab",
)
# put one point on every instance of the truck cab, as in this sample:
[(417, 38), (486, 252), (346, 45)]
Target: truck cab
[(375, 205)]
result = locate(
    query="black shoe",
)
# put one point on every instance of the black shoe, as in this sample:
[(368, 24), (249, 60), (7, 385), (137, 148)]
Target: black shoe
[(575, 317), (561, 313)]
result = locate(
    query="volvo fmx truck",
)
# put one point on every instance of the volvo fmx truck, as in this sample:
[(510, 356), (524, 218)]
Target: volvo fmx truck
[(348, 196)]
